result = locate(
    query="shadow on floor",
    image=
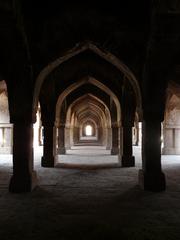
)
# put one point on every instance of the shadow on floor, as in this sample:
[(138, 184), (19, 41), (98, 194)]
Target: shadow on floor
[(56, 213)]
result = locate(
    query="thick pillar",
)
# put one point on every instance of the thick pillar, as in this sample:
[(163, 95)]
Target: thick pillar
[(128, 159), (128, 117), (68, 137), (24, 178), (115, 140), (108, 138), (76, 135), (61, 139), (151, 176), (100, 135), (48, 148)]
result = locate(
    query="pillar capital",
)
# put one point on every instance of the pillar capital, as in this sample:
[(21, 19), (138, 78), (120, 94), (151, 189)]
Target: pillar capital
[(115, 125), (153, 113), (22, 121), (152, 117), (48, 124), (61, 125), (23, 117), (128, 123)]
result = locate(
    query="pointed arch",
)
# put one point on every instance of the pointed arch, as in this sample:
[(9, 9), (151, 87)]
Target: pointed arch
[(107, 112), (79, 48), (76, 85)]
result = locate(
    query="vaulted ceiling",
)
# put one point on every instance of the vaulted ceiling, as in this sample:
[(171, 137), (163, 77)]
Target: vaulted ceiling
[(141, 33)]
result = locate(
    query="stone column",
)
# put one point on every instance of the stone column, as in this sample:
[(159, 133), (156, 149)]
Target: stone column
[(100, 135), (48, 148), (128, 159), (76, 135), (128, 116), (61, 140), (151, 176), (115, 139), (24, 178), (68, 137), (108, 138)]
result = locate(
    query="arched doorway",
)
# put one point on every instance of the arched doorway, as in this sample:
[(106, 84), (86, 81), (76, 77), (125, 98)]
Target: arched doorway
[(128, 75), (87, 71)]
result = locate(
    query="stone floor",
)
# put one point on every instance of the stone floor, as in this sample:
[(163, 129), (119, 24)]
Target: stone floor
[(91, 204), (87, 157)]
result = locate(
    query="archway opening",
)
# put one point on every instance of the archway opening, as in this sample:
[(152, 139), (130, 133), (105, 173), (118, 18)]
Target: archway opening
[(113, 83), (88, 130)]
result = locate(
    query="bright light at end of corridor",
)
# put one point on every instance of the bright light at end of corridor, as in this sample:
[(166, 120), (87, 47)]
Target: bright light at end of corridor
[(88, 130)]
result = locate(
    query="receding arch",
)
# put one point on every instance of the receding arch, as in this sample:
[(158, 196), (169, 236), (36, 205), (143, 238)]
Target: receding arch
[(85, 122), (97, 113), (76, 85), (79, 48), (94, 114), (107, 112)]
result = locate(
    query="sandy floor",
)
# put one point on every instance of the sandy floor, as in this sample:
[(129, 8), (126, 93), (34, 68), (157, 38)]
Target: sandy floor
[(90, 204)]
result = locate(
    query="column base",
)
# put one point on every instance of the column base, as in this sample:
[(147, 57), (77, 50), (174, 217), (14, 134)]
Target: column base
[(108, 148), (47, 162), (23, 183), (61, 151), (128, 161), (152, 182), (114, 151), (68, 147)]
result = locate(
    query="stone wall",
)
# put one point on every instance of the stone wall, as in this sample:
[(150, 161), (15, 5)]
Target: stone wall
[(4, 112), (6, 128), (171, 128)]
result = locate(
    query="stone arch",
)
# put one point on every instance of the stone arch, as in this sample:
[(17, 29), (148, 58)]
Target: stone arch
[(71, 122), (91, 95), (74, 86), (97, 111), (79, 48), (86, 122)]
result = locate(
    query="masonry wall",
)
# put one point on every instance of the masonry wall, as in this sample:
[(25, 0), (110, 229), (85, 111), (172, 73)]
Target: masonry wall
[(5, 126)]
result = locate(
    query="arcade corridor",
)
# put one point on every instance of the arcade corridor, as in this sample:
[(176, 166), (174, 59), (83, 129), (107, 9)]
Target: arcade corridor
[(89, 119)]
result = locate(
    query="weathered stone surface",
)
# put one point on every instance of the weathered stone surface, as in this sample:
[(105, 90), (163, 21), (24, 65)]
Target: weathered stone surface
[(90, 204)]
